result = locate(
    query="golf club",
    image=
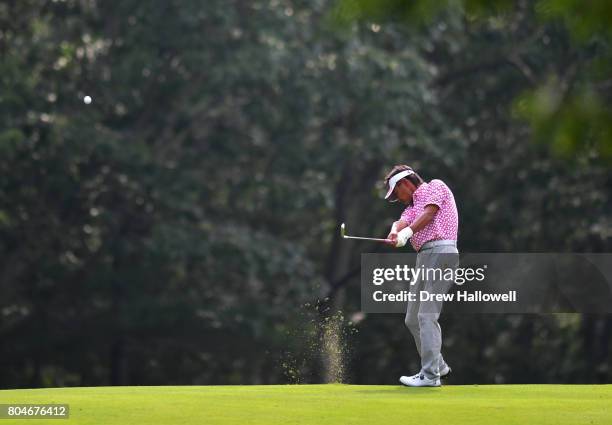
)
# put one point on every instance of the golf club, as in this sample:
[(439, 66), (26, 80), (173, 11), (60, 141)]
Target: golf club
[(345, 236)]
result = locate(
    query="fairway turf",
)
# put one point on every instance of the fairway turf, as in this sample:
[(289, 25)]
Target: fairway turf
[(325, 404)]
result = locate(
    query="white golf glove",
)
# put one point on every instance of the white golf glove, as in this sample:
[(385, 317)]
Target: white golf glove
[(403, 236)]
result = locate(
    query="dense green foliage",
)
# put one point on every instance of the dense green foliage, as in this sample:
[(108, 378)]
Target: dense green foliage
[(180, 228), (567, 104)]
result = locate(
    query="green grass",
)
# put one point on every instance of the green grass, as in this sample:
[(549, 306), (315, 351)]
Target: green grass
[(326, 404)]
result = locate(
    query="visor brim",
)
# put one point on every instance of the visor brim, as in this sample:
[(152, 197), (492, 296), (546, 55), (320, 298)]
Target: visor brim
[(390, 196)]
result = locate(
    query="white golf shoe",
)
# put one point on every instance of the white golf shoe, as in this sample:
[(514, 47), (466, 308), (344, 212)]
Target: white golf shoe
[(444, 373), (419, 380)]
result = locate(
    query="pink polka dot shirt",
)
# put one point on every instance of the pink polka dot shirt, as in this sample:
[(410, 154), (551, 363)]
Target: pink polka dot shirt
[(446, 221)]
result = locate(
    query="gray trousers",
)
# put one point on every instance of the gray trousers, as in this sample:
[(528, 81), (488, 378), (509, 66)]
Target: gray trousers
[(422, 317)]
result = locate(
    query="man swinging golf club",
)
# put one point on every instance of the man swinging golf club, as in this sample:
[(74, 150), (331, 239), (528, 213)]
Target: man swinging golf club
[(430, 222)]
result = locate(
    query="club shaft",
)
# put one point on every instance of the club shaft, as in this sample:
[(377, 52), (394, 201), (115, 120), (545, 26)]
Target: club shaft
[(366, 239)]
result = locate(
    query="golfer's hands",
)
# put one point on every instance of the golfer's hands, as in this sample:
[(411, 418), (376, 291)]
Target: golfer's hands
[(403, 236), (392, 238), (399, 239)]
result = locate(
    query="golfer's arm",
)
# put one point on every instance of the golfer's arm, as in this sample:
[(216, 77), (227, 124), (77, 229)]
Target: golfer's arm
[(399, 225), (421, 221), (425, 218)]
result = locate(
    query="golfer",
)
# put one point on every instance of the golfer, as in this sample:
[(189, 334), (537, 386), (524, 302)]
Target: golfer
[(430, 222)]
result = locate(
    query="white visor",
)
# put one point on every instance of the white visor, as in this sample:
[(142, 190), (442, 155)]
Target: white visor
[(393, 181)]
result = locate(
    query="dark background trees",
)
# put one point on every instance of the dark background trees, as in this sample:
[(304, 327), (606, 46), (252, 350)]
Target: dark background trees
[(182, 228)]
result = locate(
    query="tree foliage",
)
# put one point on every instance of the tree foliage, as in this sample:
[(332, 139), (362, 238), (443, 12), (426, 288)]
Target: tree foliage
[(567, 107)]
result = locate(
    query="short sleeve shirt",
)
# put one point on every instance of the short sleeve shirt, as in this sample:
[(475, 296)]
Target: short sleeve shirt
[(445, 223)]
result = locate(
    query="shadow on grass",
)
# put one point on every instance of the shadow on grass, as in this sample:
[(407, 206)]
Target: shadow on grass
[(401, 389)]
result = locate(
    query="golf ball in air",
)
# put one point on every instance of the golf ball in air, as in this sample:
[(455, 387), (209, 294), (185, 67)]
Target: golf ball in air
[(87, 100)]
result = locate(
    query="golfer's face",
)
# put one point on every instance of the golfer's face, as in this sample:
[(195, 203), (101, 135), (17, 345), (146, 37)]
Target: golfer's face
[(404, 190)]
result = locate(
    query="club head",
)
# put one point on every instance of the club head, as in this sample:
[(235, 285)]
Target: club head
[(342, 231)]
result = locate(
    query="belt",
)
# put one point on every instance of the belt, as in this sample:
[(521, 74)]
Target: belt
[(432, 244)]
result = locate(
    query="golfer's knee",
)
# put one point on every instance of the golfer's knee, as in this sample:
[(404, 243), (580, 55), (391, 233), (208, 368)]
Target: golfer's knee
[(427, 319), (412, 323)]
